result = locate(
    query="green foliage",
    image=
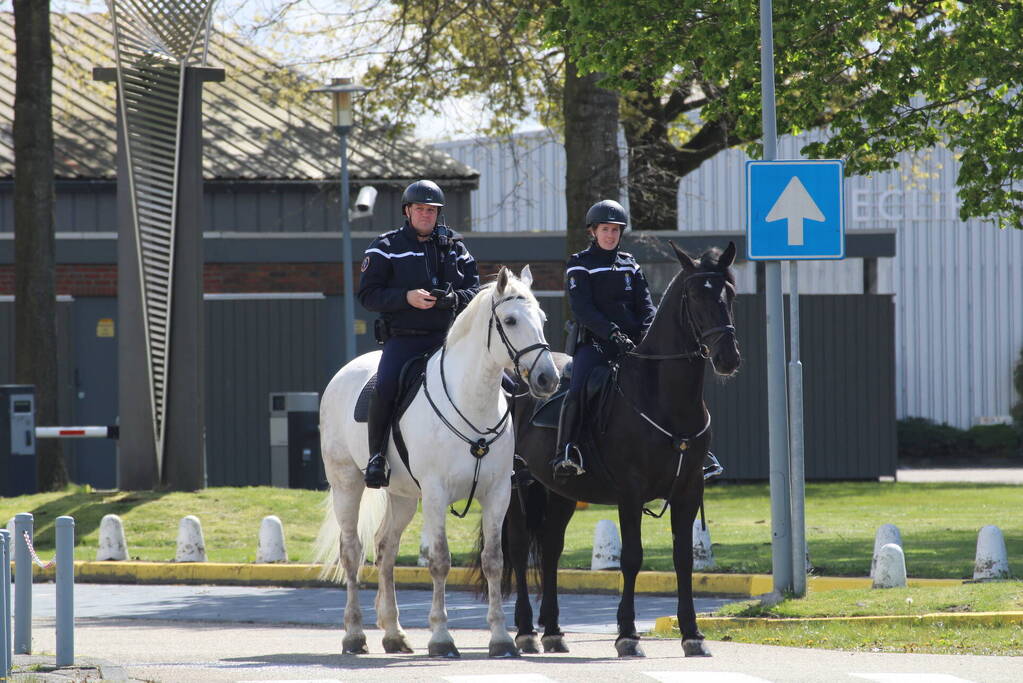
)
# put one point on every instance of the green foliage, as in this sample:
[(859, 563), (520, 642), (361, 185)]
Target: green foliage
[(919, 437), (885, 76)]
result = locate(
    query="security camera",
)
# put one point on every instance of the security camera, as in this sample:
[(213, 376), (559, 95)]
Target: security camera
[(364, 203)]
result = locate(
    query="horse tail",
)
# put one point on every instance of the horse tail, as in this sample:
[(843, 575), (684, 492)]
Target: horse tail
[(528, 513), (327, 548)]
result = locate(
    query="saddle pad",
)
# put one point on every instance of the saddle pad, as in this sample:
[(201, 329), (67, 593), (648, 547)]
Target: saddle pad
[(365, 396), (596, 398)]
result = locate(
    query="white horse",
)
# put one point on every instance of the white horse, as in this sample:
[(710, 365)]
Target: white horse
[(501, 329)]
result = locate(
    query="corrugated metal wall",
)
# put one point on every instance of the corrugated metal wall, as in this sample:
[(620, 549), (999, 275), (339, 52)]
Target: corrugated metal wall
[(255, 346), (958, 335), (849, 406)]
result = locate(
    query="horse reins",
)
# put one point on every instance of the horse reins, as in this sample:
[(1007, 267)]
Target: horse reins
[(480, 447), (681, 443)]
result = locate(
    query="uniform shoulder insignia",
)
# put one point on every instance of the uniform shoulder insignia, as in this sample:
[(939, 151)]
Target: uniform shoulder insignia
[(625, 254)]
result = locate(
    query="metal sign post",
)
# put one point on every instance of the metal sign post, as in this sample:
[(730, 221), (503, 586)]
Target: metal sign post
[(781, 547), (795, 210)]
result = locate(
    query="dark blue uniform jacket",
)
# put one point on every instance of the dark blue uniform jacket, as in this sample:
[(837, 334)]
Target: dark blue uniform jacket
[(607, 292), (397, 262)]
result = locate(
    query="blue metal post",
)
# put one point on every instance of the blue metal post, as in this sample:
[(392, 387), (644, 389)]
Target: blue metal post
[(22, 585), (346, 250), (65, 591), (5, 605)]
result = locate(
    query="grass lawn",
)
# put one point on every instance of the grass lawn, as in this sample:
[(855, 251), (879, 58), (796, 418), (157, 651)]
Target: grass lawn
[(939, 525), (931, 636)]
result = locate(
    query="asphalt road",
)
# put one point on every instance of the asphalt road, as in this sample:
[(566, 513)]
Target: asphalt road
[(208, 633)]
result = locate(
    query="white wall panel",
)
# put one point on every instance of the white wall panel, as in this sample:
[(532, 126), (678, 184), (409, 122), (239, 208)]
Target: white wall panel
[(957, 285)]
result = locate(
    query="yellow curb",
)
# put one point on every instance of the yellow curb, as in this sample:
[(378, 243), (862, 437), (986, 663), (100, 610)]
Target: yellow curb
[(571, 580), (668, 625)]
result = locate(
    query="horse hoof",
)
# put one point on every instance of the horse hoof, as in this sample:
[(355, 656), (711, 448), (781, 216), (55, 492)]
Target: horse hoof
[(695, 647), (397, 645), (354, 645), (503, 649), (447, 650), (629, 647), (528, 644), (554, 643)]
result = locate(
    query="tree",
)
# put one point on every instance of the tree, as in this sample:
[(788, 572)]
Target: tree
[(424, 55), (35, 308), (884, 76)]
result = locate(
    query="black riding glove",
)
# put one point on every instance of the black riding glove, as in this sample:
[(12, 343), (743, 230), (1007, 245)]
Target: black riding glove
[(621, 343), (445, 298)]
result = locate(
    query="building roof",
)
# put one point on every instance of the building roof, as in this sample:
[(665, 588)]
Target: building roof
[(260, 123)]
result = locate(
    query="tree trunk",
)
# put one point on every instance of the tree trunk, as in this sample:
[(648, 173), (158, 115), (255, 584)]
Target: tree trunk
[(592, 163), (35, 286), (653, 183)]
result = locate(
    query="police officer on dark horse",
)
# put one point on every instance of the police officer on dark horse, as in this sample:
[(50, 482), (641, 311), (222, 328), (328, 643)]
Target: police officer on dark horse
[(417, 278), (610, 300), (648, 441)]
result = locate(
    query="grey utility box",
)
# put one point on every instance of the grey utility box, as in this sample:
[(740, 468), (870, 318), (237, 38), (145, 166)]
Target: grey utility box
[(17, 439), (295, 440)]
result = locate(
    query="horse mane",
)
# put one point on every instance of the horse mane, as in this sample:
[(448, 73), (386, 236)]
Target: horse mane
[(481, 302)]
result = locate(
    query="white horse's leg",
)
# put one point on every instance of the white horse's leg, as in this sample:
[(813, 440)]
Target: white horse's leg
[(400, 511), (495, 505), (347, 495), (434, 530)]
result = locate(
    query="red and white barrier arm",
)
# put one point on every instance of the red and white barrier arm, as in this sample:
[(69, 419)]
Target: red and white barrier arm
[(108, 432)]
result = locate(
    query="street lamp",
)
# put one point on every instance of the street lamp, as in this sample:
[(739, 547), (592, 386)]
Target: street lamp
[(341, 91)]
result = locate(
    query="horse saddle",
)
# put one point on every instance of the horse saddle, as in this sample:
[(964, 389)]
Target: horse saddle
[(596, 398), (409, 381)]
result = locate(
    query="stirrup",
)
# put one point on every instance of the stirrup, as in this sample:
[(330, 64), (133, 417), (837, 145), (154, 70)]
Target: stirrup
[(566, 466), (376, 479)]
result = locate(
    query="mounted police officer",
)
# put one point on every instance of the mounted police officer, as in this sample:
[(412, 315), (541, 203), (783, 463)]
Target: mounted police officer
[(611, 302), (417, 278)]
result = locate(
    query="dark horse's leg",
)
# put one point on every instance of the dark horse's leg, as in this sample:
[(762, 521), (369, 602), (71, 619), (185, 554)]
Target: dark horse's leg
[(629, 518), (517, 536), (683, 512), (559, 511)]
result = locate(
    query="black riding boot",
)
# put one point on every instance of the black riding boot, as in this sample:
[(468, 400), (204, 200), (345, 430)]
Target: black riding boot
[(568, 425), (379, 423)]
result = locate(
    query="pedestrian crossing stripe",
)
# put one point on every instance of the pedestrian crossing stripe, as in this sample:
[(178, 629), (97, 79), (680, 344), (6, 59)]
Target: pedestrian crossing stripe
[(911, 678), (703, 677)]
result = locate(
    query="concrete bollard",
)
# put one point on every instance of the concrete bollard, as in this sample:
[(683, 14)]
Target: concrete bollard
[(886, 533), (271, 541), (113, 546), (890, 571), (607, 546), (6, 555), (992, 561), (703, 555), (191, 546)]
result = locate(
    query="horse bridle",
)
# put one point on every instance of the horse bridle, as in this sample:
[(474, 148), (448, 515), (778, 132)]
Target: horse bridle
[(702, 348), (495, 321), (480, 447)]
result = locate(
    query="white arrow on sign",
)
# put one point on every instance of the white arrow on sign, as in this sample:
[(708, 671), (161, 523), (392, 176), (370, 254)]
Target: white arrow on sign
[(795, 205)]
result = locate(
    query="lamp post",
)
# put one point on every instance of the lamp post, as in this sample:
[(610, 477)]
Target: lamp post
[(341, 91)]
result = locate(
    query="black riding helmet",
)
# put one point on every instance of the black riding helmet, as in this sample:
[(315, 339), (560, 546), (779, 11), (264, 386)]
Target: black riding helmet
[(422, 192), (607, 211)]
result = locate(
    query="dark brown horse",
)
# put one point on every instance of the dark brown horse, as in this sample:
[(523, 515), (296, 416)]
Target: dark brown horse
[(648, 443)]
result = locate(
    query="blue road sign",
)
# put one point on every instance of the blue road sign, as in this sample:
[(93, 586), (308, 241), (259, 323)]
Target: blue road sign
[(794, 210)]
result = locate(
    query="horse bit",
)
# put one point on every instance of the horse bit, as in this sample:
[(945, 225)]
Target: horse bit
[(480, 447)]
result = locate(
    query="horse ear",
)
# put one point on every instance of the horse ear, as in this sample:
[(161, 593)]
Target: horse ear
[(684, 259), (502, 280), (728, 256), (526, 276)]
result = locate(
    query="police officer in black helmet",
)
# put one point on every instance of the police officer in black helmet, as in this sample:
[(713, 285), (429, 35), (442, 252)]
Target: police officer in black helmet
[(610, 300), (417, 278)]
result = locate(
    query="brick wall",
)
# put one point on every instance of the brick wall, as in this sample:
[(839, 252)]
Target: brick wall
[(101, 280)]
